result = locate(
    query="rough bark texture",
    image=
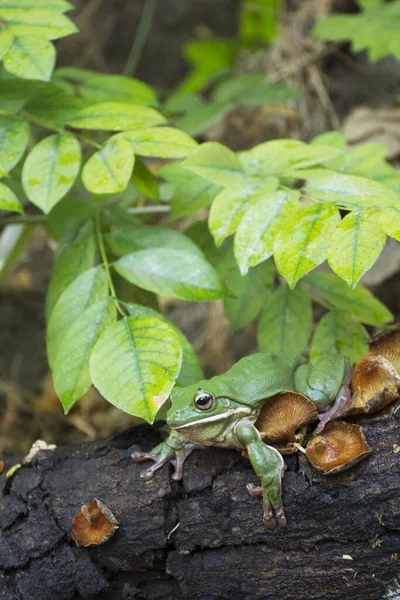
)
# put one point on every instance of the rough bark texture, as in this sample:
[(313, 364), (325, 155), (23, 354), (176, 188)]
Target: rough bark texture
[(220, 549)]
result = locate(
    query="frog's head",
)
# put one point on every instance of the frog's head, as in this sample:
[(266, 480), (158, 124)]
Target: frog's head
[(201, 404)]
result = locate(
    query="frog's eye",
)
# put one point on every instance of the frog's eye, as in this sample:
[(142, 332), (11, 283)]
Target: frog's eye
[(203, 400)]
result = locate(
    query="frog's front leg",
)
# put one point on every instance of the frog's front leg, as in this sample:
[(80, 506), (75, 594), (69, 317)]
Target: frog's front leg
[(174, 449), (269, 466)]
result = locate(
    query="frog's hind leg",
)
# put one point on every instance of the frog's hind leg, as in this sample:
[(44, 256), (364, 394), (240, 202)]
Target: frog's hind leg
[(269, 466)]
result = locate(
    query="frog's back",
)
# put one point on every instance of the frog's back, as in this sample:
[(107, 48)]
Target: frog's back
[(251, 380)]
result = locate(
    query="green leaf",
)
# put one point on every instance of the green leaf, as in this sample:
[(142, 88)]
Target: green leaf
[(337, 139), (250, 292), (390, 221), (87, 289), (350, 191), (191, 196), (8, 200), (359, 302), (355, 245), (27, 56), (253, 89), (54, 106), (259, 21), (303, 242), (338, 332), (109, 170), (51, 169), (190, 371), (376, 29), (231, 204), (172, 273), (210, 58), (71, 374), (286, 322), (76, 254), (280, 156), (48, 5), (164, 142), (39, 23), (13, 241), (144, 180), (98, 87), (216, 163), (14, 138), (255, 236), (115, 116), (130, 238), (67, 212), (135, 364), (200, 118)]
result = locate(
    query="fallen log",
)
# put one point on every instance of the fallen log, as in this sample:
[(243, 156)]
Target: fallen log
[(202, 537)]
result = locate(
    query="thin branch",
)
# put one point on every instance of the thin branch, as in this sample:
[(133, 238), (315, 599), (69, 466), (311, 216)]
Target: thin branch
[(301, 63), (157, 208), (140, 38), (24, 220), (106, 264)]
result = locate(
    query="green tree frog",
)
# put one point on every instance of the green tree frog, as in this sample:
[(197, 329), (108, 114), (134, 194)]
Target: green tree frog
[(222, 412)]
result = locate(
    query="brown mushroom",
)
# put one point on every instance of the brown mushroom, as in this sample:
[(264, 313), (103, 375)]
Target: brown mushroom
[(283, 420), (339, 447), (1, 466), (387, 344), (94, 525), (374, 384)]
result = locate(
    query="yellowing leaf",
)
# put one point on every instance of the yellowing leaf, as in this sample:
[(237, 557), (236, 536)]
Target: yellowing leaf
[(28, 56), (303, 241), (115, 116), (355, 245), (216, 163), (164, 142), (51, 169), (390, 221), (135, 364), (232, 203), (261, 223), (108, 171), (14, 138), (8, 200)]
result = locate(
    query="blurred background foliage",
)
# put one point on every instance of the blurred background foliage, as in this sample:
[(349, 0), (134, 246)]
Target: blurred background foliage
[(207, 60)]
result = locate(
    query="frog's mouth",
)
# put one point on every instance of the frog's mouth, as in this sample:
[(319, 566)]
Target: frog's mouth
[(245, 410)]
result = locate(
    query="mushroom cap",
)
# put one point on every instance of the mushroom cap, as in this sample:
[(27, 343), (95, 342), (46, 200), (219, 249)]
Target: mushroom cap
[(1, 466), (387, 344), (374, 384), (283, 415), (94, 525), (339, 447)]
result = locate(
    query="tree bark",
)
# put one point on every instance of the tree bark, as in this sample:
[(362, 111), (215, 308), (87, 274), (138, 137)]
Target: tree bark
[(203, 537)]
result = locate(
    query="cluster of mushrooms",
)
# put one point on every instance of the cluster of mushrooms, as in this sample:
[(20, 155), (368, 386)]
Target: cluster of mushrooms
[(336, 445)]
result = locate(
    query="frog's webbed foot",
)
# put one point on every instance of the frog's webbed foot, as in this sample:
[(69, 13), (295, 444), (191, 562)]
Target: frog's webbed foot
[(161, 454), (173, 450), (273, 509)]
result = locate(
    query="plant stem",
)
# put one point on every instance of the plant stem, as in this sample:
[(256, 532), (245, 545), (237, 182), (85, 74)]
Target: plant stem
[(142, 210), (140, 38), (24, 219), (106, 264)]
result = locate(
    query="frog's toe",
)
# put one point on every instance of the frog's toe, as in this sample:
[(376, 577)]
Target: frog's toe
[(138, 457), (280, 517), (269, 519), (254, 490)]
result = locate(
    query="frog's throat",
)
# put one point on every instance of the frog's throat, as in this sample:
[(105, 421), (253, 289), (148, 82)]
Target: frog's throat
[(245, 410)]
